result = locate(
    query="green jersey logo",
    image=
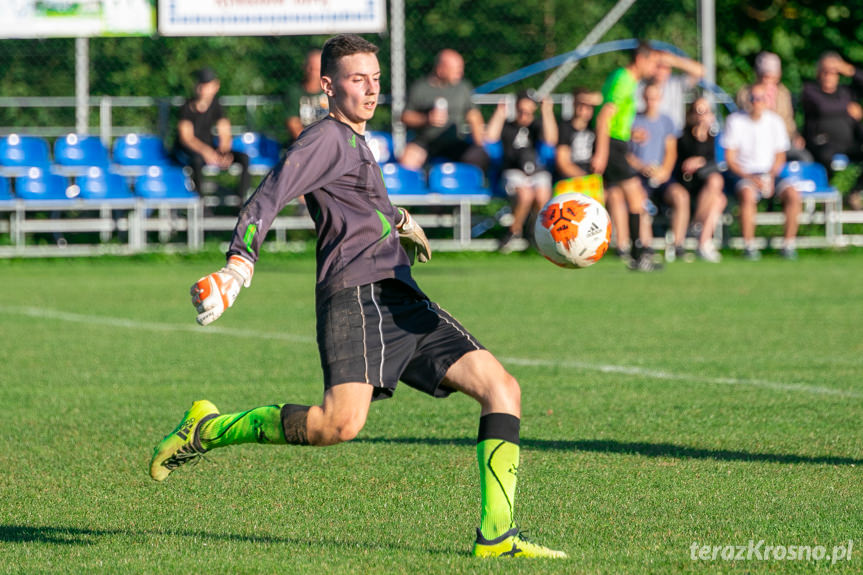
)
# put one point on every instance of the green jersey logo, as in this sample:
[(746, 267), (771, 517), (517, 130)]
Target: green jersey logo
[(249, 236), (386, 228), (353, 141)]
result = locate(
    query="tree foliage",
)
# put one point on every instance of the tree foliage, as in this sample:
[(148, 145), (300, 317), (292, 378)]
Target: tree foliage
[(495, 36)]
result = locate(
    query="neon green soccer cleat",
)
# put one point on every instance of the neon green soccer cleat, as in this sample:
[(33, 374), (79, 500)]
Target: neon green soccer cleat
[(512, 544), (183, 445)]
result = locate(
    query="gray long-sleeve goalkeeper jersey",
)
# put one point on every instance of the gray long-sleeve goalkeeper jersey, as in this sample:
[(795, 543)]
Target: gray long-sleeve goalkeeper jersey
[(332, 166)]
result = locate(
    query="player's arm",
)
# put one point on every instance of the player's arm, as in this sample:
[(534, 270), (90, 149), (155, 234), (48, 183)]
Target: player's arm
[(305, 168), (603, 126)]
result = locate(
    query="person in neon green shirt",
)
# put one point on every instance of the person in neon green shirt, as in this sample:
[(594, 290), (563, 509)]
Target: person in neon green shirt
[(623, 190)]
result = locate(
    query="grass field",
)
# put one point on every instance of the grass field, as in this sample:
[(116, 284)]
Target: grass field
[(708, 404)]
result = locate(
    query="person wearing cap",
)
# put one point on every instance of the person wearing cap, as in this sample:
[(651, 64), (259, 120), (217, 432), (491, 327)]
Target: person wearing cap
[(768, 72), (196, 145)]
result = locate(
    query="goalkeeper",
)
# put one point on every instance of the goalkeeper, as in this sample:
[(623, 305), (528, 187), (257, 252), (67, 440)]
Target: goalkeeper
[(374, 324)]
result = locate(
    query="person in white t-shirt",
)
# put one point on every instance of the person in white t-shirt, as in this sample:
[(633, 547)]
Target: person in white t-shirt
[(755, 145)]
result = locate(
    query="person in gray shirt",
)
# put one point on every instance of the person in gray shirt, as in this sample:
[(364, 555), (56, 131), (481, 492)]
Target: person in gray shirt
[(374, 325), (446, 123)]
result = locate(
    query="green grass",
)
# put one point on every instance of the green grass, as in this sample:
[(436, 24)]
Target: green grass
[(707, 403)]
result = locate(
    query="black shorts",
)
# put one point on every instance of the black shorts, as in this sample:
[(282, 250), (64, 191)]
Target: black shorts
[(384, 332), (618, 169)]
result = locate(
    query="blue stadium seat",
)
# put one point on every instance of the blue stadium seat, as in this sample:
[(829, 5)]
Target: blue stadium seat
[(810, 179), (457, 179), (5, 190), (41, 184), (99, 184), (19, 153), (168, 182), (381, 145), (400, 180), (133, 153), (74, 153), (263, 152)]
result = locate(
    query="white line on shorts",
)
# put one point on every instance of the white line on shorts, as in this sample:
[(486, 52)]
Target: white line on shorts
[(51, 314)]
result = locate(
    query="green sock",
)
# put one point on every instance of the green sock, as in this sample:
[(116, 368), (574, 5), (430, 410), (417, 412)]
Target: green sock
[(498, 472), (259, 425)]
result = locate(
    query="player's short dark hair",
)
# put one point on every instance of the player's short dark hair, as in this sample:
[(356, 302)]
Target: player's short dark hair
[(643, 48), (340, 46)]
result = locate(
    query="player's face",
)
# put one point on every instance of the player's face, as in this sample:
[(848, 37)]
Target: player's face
[(353, 89)]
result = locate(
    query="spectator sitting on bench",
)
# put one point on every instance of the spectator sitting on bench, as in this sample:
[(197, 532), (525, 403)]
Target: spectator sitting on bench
[(768, 71), (698, 174), (447, 124), (195, 145), (576, 137), (755, 144), (525, 179), (653, 155)]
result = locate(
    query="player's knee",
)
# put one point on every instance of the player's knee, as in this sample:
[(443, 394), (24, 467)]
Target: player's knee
[(507, 390), (347, 428)]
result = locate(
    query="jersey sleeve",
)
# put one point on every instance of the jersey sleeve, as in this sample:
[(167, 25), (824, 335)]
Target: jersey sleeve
[(316, 159)]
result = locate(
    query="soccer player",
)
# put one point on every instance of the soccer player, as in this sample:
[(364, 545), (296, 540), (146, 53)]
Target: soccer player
[(375, 325), (624, 192)]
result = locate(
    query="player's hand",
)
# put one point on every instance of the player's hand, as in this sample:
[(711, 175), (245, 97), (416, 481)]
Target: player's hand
[(413, 239), (213, 294)]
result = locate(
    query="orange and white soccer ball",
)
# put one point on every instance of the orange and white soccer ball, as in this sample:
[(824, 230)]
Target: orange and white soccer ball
[(573, 231)]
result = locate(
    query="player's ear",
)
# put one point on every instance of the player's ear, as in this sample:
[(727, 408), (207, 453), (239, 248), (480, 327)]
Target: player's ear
[(327, 85)]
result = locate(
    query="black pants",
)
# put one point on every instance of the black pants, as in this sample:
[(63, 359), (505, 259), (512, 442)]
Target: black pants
[(197, 163)]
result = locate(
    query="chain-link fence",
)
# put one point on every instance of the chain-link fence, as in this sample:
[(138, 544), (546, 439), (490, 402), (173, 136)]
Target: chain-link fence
[(146, 77)]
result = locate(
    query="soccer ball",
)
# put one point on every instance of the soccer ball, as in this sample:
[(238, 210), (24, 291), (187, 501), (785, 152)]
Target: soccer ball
[(572, 231)]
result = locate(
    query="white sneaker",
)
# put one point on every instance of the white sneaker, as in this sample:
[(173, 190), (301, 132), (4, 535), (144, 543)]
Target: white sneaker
[(708, 253)]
